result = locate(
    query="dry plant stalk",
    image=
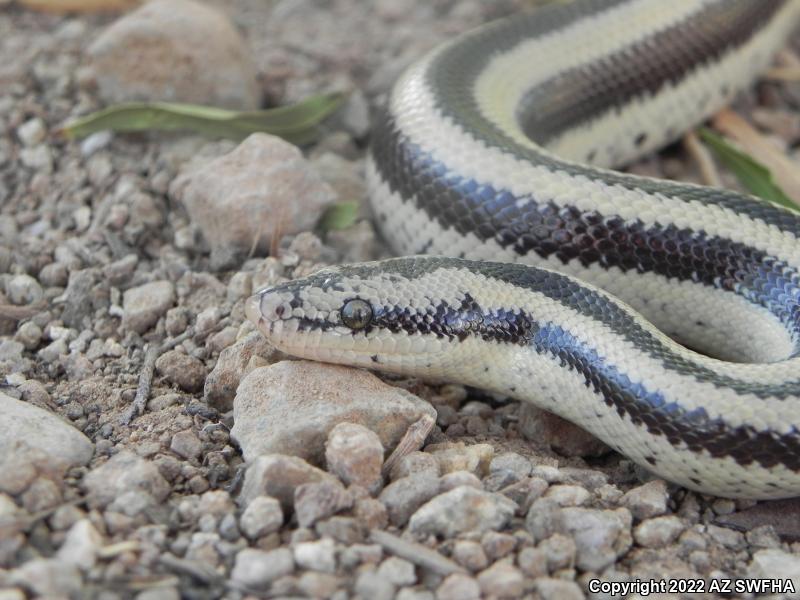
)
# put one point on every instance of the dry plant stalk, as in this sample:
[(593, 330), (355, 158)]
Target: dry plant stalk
[(705, 162), (279, 229), (783, 169)]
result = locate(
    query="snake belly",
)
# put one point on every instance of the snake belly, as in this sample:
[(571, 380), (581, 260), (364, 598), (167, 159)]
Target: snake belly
[(662, 317)]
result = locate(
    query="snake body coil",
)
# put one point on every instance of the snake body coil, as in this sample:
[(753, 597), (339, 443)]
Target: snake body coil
[(493, 151)]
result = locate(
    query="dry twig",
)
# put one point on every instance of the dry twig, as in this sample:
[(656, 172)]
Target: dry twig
[(415, 553), (412, 441), (703, 158)]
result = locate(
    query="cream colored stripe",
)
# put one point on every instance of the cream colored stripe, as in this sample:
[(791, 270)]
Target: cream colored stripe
[(509, 76)]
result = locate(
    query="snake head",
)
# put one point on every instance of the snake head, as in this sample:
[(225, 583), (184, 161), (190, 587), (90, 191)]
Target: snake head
[(406, 315)]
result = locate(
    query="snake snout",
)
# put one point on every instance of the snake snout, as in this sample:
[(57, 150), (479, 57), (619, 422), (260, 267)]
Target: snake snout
[(252, 308), (266, 306)]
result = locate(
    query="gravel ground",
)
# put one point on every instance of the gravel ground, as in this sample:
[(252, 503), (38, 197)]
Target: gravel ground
[(153, 446)]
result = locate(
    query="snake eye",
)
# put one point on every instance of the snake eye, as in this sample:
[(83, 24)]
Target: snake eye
[(356, 313)]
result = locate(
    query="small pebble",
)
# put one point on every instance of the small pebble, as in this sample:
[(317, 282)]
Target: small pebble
[(648, 500), (316, 556), (398, 570), (24, 289), (355, 455), (513, 462), (458, 587), (123, 473), (346, 530), (183, 370), (501, 580), (186, 444), (32, 132), (256, 568), (95, 142), (372, 513), (658, 532), (775, 564), (456, 479), (415, 463), (371, 585), (600, 536), (81, 545), (568, 495), (406, 495), (319, 500), (23, 422), (461, 510), (314, 584), (262, 516), (533, 562), (470, 555), (560, 551), (143, 305), (498, 545)]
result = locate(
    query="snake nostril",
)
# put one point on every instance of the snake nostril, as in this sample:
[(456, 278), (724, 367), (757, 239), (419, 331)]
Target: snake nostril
[(267, 305)]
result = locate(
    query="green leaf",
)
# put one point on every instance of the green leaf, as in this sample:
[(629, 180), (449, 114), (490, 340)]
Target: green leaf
[(752, 174), (296, 123), (339, 216)]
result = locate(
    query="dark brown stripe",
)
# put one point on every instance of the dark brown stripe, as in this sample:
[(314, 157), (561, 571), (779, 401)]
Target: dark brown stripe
[(584, 93)]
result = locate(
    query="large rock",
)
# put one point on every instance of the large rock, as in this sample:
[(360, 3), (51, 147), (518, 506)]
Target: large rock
[(175, 50), (262, 188), (23, 422), (290, 407)]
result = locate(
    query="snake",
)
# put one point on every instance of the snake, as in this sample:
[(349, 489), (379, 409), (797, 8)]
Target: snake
[(662, 317)]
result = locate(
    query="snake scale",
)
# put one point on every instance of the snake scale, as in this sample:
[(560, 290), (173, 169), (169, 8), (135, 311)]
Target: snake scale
[(662, 317)]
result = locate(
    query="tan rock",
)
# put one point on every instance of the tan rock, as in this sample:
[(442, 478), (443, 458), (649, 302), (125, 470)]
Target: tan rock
[(175, 50), (143, 305), (240, 200), (187, 372), (290, 407), (38, 428), (457, 456), (355, 455)]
